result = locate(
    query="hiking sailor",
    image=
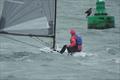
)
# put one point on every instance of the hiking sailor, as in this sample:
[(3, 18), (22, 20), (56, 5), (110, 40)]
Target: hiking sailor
[(75, 43)]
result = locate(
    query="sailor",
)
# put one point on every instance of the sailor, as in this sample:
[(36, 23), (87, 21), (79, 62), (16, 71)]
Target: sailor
[(73, 46), (88, 12)]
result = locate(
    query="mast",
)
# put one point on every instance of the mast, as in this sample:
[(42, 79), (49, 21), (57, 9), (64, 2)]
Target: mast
[(54, 37)]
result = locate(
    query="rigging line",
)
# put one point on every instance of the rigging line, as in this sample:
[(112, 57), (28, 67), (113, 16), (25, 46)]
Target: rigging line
[(42, 41), (34, 38), (11, 38)]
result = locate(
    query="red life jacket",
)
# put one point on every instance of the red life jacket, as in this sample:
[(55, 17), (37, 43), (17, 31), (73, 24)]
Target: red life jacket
[(73, 43)]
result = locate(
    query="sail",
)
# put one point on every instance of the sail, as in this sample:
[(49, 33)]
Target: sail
[(35, 17)]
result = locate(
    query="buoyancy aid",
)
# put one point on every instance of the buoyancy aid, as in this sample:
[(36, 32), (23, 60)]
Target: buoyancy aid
[(72, 41)]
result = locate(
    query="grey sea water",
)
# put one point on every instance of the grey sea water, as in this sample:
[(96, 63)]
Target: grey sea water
[(21, 58)]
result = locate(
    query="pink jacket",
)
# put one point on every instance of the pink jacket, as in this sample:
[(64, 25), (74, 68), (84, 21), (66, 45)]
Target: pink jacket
[(72, 41)]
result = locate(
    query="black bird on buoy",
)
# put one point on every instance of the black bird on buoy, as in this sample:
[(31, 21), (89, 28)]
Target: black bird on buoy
[(88, 12)]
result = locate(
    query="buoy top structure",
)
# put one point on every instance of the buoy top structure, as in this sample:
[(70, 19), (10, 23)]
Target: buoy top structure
[(100, 20), (100, 8)]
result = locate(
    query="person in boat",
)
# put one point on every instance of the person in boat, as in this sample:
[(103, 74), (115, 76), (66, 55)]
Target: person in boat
[(88, 12), (75, 45)]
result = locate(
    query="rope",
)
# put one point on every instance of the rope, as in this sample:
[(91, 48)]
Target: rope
[(40, 40)]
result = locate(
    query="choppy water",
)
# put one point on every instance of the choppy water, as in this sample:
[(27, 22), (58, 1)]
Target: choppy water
[(23, 60)]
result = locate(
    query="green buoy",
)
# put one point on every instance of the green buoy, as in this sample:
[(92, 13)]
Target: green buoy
[(100, 20)]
